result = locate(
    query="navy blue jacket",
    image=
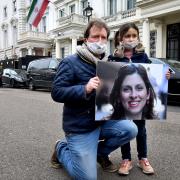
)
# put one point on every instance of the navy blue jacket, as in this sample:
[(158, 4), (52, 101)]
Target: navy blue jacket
[(136, 58), (69, 88)]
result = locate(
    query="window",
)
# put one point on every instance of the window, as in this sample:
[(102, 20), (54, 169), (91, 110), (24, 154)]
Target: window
[(173, 41), (14, 5), (111, 44), (61, 12), (14, 35), (24, 52), (30, 27), (84, 5), (173, 48), (153, 38), (131, 4), (5, 39), (112, 7), (6, 71), (42, 64), (53, 64), (5, 12), (13, 72), (72, 9), (62, 52), (44, 23)]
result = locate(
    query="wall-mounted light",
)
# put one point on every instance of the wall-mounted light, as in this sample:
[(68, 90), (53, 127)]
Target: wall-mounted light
[(60, 33), (88, 11)]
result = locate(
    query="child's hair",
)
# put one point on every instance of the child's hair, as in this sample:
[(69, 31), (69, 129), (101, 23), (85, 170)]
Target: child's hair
[(122, 31)]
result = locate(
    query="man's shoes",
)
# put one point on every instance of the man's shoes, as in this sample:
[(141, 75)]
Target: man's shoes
[(125, 167), (106, 164), (145, 166), (54, 160)]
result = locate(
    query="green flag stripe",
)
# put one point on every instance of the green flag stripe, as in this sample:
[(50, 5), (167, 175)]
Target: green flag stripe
[(31, 8)]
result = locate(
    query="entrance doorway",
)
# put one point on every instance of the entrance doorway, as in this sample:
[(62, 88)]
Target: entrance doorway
[(173, 41)]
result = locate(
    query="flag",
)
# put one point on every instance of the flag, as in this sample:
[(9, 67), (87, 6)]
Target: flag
[(36, 11)]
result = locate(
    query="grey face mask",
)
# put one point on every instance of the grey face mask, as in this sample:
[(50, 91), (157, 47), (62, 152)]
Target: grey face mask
[(97, 47), (130, 45)]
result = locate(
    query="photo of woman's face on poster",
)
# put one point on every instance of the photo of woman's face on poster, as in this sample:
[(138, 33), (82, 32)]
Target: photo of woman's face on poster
[(131, 91)]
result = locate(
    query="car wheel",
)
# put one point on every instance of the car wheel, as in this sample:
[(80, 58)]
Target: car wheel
[(12, 83), (31, 86)]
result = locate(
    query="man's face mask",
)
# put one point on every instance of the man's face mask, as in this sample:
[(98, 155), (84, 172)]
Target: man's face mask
[(130, 45), (97, 47)]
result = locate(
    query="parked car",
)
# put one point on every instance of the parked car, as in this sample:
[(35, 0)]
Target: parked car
[(41, 73), (174, 81), (0, 78), (14, 77)]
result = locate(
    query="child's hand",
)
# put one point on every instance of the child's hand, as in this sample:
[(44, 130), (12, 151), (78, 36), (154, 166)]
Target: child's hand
[(168, 75)]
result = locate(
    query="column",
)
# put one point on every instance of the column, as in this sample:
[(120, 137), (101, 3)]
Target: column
[(146, 35), (58, 54), (44, 52), (21, 10), (159, 42), (20, 53), (124, 5), (30, 51), (74, 45)]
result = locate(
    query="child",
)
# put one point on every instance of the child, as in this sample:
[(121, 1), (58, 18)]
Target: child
[(129, 49)]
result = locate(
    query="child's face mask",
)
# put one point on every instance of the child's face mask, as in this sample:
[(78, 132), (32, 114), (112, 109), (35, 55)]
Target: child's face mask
[(130, 45)]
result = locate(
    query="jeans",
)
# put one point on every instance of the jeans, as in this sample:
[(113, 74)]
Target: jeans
[(78, 153), (141, 141)]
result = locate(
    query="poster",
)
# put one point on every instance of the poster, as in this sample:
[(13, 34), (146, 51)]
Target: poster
[(134, 91)]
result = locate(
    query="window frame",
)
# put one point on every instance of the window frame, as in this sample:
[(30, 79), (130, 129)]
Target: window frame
[(5, 12), (71, 7), (131, 4), (61, 12), (112, 7), (14, 6)]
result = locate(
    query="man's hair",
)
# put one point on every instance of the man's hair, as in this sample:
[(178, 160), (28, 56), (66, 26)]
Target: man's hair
[(99, 24)]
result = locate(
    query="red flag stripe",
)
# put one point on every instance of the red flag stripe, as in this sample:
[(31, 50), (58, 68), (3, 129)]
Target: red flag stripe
[(40, 13)]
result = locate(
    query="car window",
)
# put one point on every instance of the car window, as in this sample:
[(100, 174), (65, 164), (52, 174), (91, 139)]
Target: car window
[(39, 64), (156, 61), (175, 64), (13, 72), (20, 71), (31, 65), (5, 71), (43, 64), (53, 64), (162, 61)]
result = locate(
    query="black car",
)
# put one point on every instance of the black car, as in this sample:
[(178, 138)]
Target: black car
[(14, 77), (0, 78), (41, 73), (174, 81)]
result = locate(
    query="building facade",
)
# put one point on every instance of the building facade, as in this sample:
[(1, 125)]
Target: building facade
[(61, 28)]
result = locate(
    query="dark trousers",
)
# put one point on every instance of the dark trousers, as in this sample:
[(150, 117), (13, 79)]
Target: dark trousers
[(141, 140)]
